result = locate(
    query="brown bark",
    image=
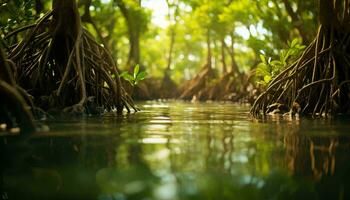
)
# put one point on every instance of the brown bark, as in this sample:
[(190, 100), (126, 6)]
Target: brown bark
[(318, 83), (68, 69), (327, 15), (66, 19)]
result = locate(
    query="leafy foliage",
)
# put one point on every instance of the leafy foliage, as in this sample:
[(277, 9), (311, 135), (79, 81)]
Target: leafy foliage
[(247, 27), (15, 13), (268, 68), (134, 78)]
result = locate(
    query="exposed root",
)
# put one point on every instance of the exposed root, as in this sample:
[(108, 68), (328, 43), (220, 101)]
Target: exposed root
[(194, 89), (14, 111), (62, 66), (318, 81), (229, 87)]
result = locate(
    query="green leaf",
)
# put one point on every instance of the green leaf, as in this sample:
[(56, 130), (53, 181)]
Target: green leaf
[(284, 55), (126, 76), (267, 78), (294, 42), (122, 74), (300, 47), (263, 59), (136, 70), (288, 53), (276, 63), (262, 70), (142, 75)]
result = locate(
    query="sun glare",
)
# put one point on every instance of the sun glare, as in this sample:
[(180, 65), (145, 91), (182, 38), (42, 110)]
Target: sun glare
[(159, 11)]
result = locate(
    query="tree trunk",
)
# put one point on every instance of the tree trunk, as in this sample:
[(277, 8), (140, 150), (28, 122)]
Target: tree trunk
[(209, 55), (64, 67), (134, 52), (134, 34), (172, 34), (318, 83), (231, 51), (223, 56), (327, 17), (66, 19), (65, 26)]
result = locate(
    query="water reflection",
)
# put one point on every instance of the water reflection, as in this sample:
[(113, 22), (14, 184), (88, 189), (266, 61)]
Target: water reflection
[(179, 151), (315, 156)]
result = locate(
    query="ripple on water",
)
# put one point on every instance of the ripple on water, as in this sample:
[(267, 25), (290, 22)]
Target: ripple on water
[(180, 150)]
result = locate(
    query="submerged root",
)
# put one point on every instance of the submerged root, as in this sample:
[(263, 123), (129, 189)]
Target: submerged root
[(14, 110), (318, 82), (62, 66)]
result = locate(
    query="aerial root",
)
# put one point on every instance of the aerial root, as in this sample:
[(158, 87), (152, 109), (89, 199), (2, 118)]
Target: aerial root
[(313, 83), (89, 72)]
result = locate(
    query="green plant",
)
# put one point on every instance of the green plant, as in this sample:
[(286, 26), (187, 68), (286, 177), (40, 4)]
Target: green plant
[(134, 78), (268, 68)]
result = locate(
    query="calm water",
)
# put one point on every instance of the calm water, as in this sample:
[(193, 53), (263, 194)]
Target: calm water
[(177, 150)]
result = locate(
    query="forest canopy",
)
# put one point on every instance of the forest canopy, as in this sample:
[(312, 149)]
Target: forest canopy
[(140, 31)]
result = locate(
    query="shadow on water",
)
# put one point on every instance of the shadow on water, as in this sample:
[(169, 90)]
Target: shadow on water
[(177, 150)]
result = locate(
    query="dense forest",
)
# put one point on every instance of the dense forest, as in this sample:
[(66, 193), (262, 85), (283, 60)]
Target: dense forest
[(74, 57)]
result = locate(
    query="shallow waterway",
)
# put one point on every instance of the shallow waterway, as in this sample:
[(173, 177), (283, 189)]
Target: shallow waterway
[(179, 150)]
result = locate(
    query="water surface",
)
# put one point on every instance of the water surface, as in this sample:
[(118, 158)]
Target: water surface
[(179, 150)]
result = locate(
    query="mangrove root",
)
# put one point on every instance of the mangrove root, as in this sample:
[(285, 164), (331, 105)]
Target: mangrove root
[(14, 111), (194, 89), (62, 66), (318, 82)]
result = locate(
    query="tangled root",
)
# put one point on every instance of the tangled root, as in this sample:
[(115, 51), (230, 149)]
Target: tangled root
[(62, 66), (318, 82), (14, 110)]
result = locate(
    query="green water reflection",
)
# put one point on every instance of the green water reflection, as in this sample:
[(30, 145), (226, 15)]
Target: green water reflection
[(177, 150)]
